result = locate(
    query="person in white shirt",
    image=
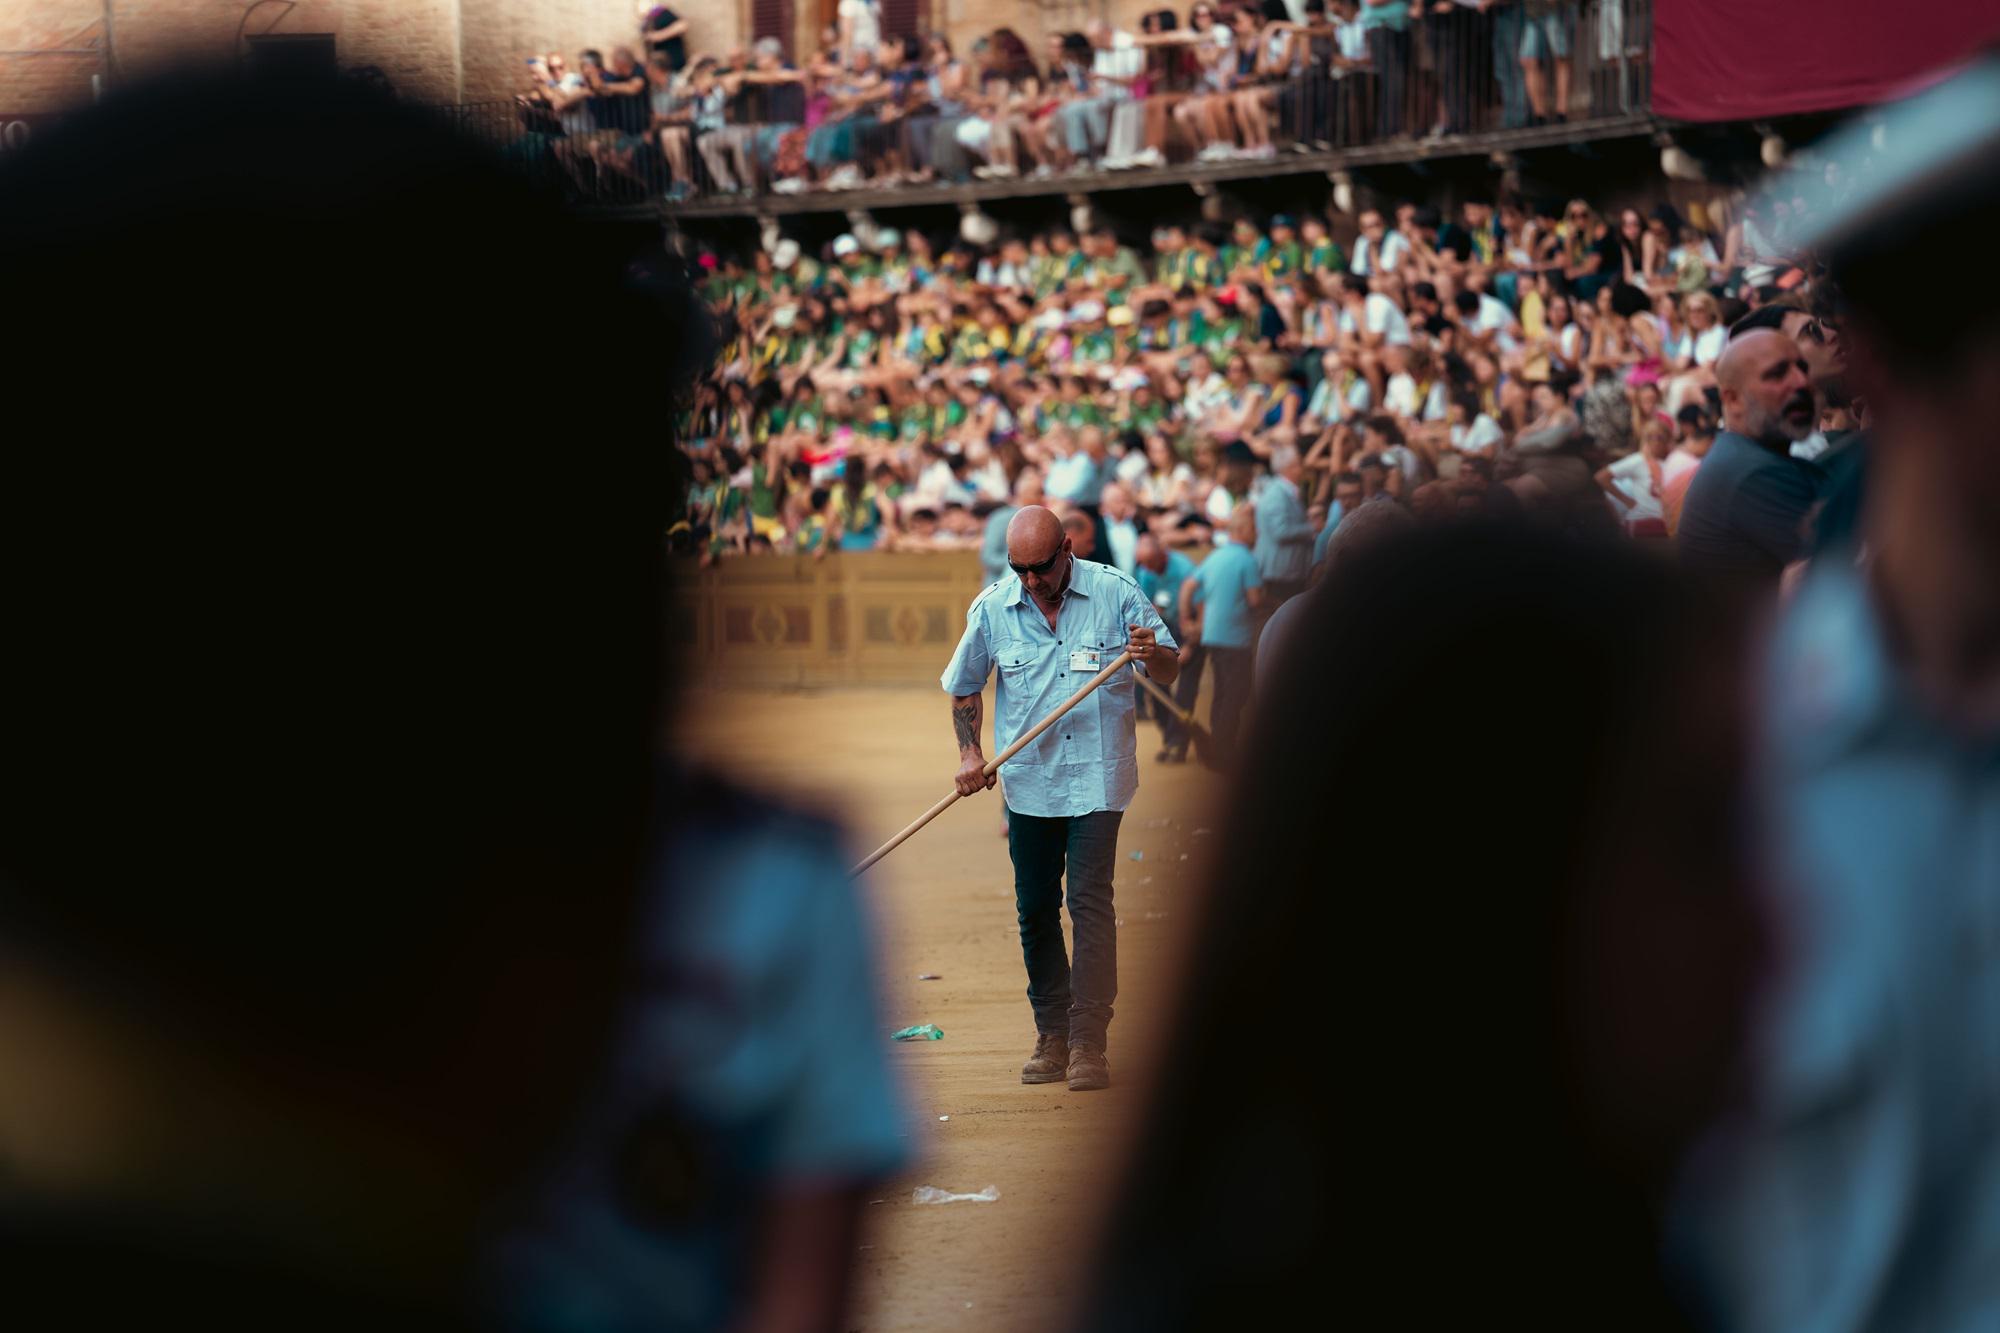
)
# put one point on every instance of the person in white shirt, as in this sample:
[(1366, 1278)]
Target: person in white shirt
[(860, 27), (1377, 250), (1635, 482), (1371, 316), (1416, 392), (1472, 431), (1693, 355), (1339, 395), (1205, 390), (1115, 64), (1489, 320), (1377, 325), (1350, 39)]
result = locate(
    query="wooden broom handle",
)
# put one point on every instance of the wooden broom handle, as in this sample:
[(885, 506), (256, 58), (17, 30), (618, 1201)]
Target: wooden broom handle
[(1153, 688), (993, 764)]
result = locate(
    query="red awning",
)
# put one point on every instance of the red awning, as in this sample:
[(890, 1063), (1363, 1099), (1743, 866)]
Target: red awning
[(1753, 59)]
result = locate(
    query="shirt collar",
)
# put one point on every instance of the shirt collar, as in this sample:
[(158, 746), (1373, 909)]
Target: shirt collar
[(1016, 593)]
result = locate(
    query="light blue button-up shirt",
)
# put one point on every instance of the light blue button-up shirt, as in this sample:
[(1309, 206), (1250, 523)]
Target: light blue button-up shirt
[(1862, 1193), (1089, 760), (1284, 537)]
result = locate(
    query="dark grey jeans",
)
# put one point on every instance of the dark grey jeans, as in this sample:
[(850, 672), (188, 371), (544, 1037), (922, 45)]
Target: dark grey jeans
[(1072, 1002)]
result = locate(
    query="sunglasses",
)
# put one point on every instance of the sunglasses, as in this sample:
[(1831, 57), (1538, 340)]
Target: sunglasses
[(1042, 568)]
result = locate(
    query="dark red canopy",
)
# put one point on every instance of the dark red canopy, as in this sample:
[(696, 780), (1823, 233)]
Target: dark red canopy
[(1751, 59)]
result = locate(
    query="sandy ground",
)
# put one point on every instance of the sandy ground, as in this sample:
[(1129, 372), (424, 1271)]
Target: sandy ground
[(944, 903)]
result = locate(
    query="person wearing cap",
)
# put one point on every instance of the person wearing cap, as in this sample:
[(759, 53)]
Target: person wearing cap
[(1281, 255), (893, 264), (782, 347), (1052, 624), (1091, 340), (1857, 1190), (1245, 250)]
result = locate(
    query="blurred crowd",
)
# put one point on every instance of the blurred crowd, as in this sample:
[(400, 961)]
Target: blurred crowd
[(894, 392), (1230, 80)]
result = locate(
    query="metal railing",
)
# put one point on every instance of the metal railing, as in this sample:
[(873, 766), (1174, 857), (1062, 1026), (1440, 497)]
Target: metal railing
[(1464, 72), (1453, 72)]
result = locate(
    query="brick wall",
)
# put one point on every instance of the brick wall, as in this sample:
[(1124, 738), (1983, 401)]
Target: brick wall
[(48, 81), (431, 50), (499, 34)]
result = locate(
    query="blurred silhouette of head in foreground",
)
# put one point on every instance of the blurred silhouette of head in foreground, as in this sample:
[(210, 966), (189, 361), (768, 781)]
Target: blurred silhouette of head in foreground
[(332, 684), (1475, 961)]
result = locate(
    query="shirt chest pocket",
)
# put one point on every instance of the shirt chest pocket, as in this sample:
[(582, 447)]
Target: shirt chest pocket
[(1022, 666)]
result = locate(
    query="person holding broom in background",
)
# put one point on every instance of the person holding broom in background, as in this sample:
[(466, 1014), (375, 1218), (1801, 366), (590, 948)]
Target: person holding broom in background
[(1049, 627)]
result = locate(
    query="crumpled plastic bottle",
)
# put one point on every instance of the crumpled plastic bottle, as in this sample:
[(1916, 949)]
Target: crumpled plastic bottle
[(925, 1032), (932, 1194)]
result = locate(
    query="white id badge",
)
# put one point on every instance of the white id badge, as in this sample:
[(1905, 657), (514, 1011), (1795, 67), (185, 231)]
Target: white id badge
[(1086, 659)]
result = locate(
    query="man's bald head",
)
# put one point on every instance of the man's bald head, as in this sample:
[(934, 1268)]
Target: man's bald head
[(1035, 540), (1766, 388), (1243, 525), (1033, 535)]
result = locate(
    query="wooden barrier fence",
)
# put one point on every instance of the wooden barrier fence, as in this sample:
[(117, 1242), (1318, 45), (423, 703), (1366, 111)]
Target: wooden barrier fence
[(854, 618)]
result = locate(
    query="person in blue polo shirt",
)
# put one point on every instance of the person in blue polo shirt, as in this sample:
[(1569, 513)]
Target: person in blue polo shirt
[(1048, 628), (1160, 573), (1228, 590)]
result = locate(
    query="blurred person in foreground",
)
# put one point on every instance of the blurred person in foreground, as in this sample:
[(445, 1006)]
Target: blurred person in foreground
[(1369, 525), (342, 890), (1860, 1190), (1518, 1026)]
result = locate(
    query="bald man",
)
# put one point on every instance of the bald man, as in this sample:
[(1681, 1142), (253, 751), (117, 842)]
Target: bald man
[(1746, 507), (1051, 625)]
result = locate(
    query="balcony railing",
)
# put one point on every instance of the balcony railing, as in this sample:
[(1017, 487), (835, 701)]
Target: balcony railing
[(1454, 79)]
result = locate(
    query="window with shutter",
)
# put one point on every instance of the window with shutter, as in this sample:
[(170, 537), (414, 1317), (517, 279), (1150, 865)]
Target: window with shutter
[(772, 18), (905, 18)]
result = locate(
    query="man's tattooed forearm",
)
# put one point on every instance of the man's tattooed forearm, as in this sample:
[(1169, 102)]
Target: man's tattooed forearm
[(965, 722)]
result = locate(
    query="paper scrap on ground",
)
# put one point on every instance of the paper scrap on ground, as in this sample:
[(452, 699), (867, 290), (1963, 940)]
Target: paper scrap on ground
[(932, 1194)]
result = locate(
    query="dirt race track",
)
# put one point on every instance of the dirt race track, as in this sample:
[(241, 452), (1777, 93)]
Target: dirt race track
[(944, 903)]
